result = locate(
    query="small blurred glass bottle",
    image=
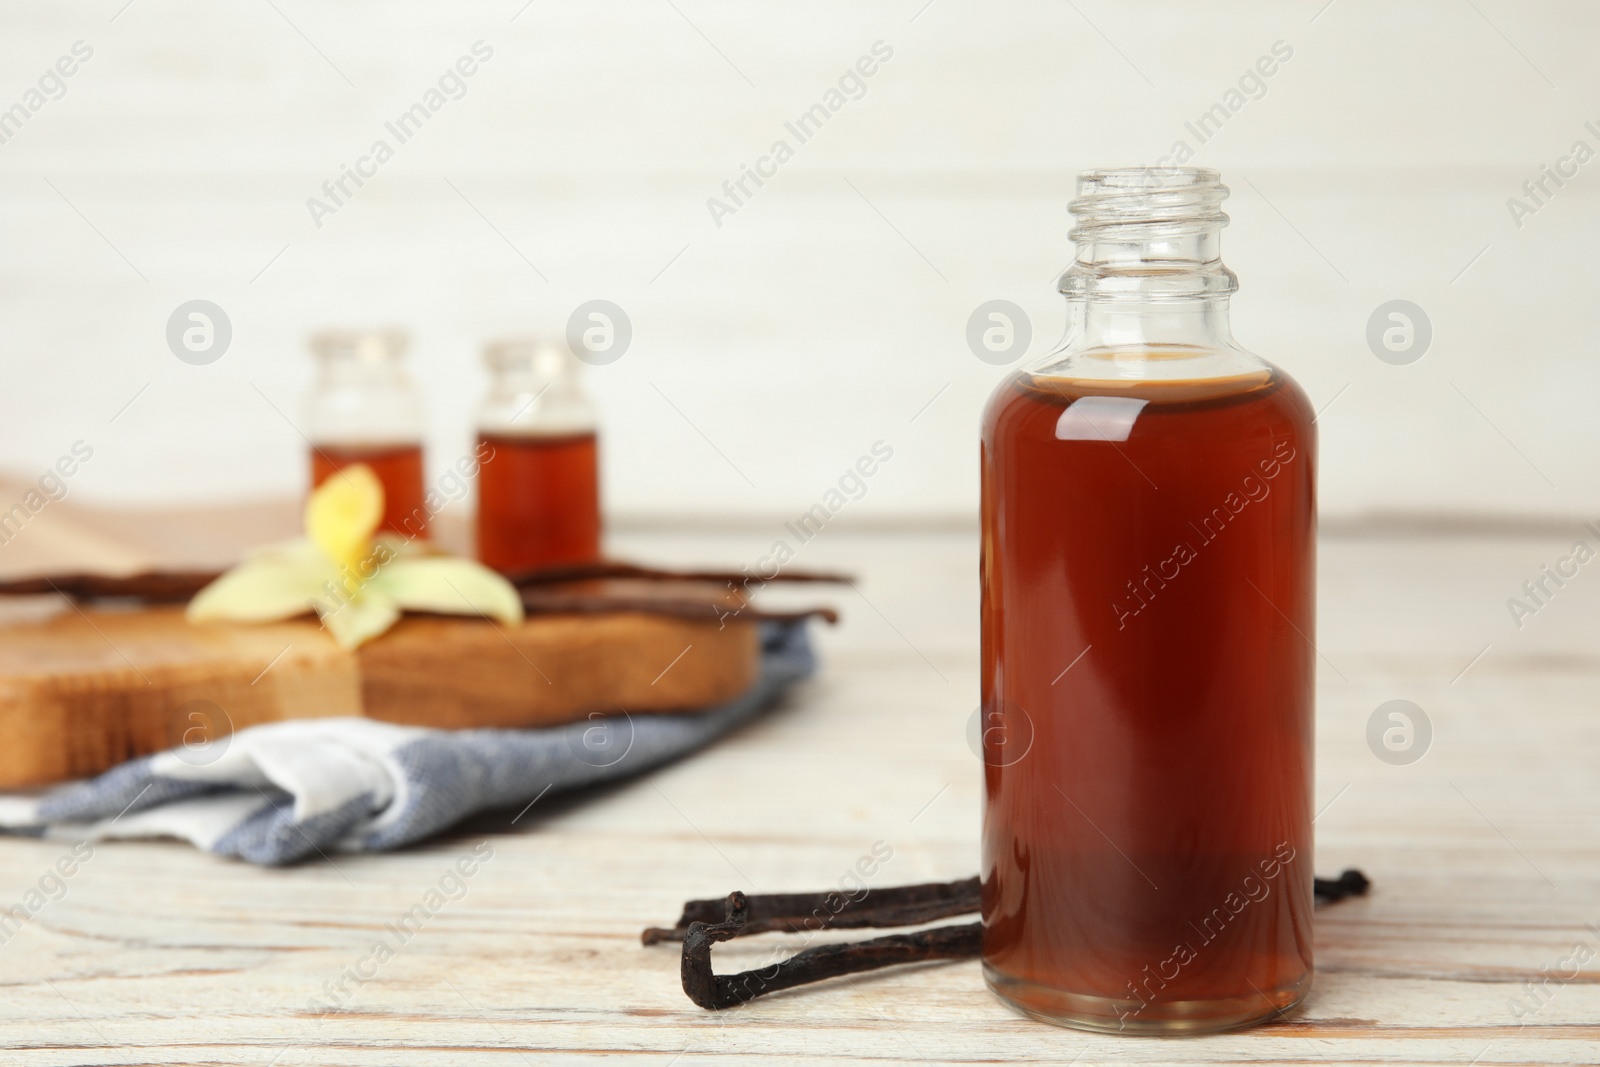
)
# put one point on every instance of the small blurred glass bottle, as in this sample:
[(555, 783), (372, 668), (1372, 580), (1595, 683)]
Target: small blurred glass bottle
[(363, 408), (539, 482)]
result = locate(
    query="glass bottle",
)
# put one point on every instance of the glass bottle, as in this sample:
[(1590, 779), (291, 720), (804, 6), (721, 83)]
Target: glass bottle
[(539, 479), (364, 409), (1147, 583)]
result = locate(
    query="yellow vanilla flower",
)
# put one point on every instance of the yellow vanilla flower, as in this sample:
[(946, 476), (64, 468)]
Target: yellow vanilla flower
[(343, 512), (356, 583)]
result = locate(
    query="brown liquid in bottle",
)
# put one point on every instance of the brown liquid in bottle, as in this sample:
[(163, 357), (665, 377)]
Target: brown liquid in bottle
[(399, 470), (538, 501), (1147, 699)]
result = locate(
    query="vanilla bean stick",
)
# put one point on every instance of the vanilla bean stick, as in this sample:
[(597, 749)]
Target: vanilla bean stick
[(905, 905), (908, 905), (542, 601), (580, 572), (1351, 883), (714, 991), (152, 587), (177, 586)]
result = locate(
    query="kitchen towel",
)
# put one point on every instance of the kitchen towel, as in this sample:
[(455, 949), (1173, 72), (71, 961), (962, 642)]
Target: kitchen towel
[(279, 793)]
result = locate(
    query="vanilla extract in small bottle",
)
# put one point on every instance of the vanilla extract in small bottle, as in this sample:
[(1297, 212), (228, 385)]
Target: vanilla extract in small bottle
[(539, 479), (1148, 528), (364, 409)]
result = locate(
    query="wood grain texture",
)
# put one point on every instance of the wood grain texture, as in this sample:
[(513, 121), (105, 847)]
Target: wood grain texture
[(157, 954), (89, 688), (476, 673)]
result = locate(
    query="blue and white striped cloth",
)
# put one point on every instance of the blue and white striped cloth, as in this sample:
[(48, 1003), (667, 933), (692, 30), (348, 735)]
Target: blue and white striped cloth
[(278, 793)]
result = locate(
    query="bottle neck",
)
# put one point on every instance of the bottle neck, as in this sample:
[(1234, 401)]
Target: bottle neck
[(362, 396), (369, 357), (1130, 326), (534, 390), (1148, 293), (1159, 290), (1108, 249)]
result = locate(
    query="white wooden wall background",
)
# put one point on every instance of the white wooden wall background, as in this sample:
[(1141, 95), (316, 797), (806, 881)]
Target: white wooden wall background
[(830, 309)]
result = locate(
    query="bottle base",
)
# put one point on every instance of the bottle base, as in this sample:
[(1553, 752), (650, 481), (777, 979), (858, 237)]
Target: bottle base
[(1174, 1018)]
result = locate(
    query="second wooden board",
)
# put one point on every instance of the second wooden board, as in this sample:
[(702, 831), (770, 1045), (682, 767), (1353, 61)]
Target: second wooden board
[(87, 689)]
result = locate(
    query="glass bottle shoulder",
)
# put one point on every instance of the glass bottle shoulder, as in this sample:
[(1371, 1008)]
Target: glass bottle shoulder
[(1033, 401)]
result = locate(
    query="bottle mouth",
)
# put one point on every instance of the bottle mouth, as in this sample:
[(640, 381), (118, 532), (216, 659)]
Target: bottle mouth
[(362, 346), (1140, 203), (1148, 233), (527, 353)]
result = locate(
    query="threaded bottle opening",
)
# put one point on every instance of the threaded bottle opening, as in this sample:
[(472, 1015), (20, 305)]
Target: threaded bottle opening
[(373, 347), (1132, 203), (1148, 233), (513, 354)]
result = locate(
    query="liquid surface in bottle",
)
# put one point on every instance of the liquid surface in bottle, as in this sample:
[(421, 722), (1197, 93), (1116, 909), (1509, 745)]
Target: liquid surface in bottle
[(1147, 699), (538, 501), (399, 470)]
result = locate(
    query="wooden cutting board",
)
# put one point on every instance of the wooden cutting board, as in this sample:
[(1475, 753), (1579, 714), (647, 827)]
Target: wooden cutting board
[(88, 688)]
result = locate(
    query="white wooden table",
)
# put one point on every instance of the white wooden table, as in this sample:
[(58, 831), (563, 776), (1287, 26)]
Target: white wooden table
[(1485, 859)]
